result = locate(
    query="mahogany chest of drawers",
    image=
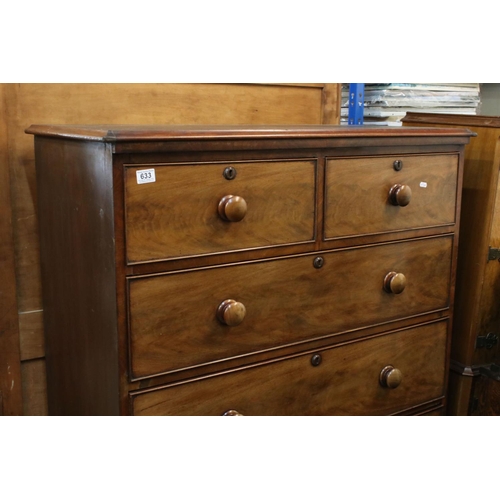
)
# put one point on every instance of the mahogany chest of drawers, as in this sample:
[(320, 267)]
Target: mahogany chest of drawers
[(298, 270)]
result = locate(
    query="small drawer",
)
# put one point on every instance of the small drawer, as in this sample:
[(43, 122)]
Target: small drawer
[(191, 318), (197, 209), (377, 376), (372, 195)]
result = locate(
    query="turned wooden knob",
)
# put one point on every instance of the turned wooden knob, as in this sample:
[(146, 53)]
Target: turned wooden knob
[(394, 282), (232, 413), (231, 313), (400, 195), (232, 208), (390, 377)]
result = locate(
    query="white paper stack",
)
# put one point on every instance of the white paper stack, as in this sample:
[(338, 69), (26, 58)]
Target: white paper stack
[(387, 103)]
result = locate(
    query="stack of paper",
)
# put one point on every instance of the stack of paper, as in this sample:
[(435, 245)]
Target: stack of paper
[(387, 103)]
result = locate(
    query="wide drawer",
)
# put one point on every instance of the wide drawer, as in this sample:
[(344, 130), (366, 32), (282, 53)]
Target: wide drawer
[(351, 379), (197, 209), (177, 320), (369, 195)]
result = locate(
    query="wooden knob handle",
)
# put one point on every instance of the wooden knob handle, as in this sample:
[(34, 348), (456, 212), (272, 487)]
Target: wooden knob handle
[(400, 195), (231, 313), (394, 282), (232, 208), (390, 377), (232, 413)]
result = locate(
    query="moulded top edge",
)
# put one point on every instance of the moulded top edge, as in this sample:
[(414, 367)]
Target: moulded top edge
[(126, 133), (443, 119)]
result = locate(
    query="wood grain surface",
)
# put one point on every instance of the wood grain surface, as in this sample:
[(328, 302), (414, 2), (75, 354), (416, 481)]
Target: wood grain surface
[(177, 215), (173, 317), (345, 382), (357, 194)]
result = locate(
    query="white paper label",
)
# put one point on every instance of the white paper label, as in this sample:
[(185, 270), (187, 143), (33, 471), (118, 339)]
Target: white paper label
[(423, 184), (144, 176)]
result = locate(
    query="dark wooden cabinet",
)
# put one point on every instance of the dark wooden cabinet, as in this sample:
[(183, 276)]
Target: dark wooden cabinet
[(475, 353), (299, 270)]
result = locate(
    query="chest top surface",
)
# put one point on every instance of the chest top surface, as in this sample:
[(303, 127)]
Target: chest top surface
[(120, 133)]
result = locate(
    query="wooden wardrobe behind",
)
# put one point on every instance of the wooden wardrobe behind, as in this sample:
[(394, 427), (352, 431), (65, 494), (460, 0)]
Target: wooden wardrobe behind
[(22, 363)]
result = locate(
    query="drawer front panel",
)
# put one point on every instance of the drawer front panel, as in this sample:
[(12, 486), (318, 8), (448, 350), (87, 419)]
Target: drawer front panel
[(358, 200), (177, 320), (345, 382), (194, 210), (434, 413)]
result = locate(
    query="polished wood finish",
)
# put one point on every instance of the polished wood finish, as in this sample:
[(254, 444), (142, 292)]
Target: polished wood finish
[(232, 208), (346, 382), (232, 413), (78, 276), (231, 313), (358, 194), (23, 104), (187, 133), (286, 301), (261, 321), (391, 377), (178, 215), (400, 195), (477, 311), (395, 283)]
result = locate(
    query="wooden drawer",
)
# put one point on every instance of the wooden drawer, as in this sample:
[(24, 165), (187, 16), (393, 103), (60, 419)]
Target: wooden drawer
[(358, 201), (439, 412), (346, 382), (173, 318), (178, 215)]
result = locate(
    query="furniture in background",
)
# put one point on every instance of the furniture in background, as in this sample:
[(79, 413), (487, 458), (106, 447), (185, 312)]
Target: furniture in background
[(255, 270), (475, 376), (11, 402)]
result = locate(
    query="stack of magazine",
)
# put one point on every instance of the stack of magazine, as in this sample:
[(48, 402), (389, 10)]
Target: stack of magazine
[(387, 103)]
